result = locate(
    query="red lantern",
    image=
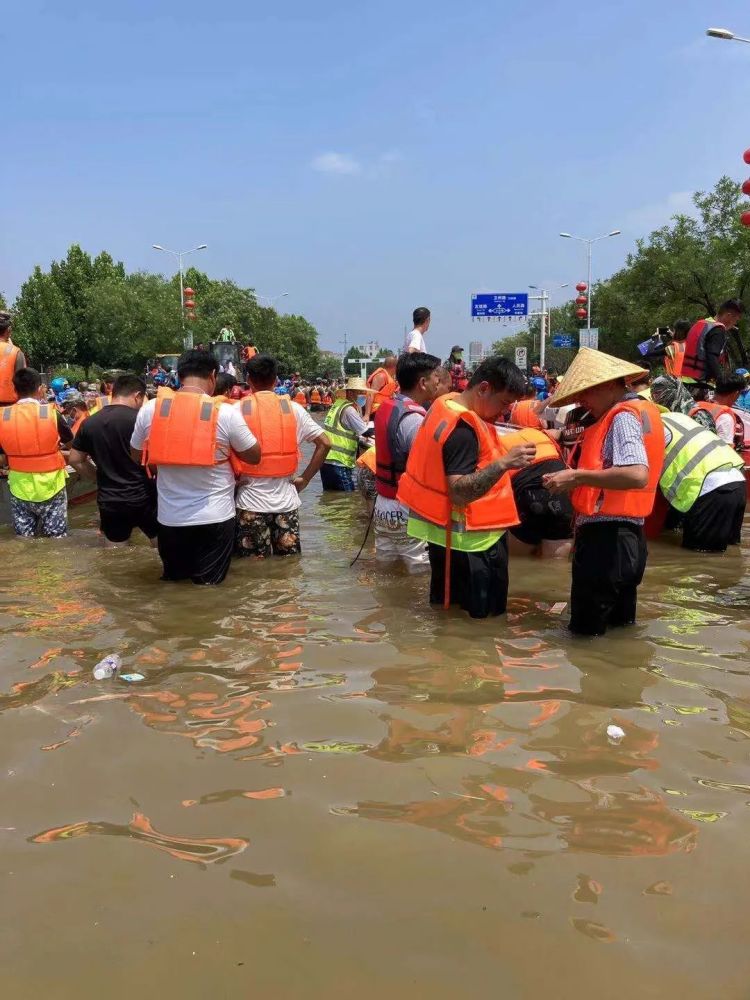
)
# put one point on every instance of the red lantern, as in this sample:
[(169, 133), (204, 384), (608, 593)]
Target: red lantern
[(188, 291), (581, 286), (746, 156), (190, 303), (581, 313), (746, 187), (745, 218), (581, 300)]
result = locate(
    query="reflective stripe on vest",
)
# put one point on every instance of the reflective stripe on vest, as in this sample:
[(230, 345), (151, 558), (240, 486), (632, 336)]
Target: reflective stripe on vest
[(183, 430), (8, 355), (621, 503), (693, 454), (29, 438), (343, 441), (272, 421)]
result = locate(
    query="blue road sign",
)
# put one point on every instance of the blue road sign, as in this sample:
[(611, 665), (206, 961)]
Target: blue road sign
[(563, 340), (491, 304)]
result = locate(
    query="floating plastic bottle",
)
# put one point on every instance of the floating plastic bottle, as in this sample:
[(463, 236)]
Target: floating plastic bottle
[(107, 668), (615, 734)]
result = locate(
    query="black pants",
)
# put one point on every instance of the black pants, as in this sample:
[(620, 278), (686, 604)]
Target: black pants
[(608, 565), (198, 552), (479, 580), (715, 520)]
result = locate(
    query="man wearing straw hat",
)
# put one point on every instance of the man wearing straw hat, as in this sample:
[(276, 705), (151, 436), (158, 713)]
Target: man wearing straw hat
[(612, 489), (344, 425)]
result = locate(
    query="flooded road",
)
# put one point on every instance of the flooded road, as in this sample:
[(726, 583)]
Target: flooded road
[(323, 788)]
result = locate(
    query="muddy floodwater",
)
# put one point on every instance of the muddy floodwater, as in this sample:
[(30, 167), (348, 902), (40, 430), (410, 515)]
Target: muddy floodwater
[(323, 788)]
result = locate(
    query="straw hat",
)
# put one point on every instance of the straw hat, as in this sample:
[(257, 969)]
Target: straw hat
[(591, 368), (356, 384)]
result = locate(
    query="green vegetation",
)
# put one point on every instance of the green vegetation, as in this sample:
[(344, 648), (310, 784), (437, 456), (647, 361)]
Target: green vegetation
[(683, 270), (90, 313)]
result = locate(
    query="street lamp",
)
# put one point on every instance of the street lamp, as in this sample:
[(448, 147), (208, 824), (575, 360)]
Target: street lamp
[(179, 254), (589, 242), (270, 300), (724, 33), (544, 297)]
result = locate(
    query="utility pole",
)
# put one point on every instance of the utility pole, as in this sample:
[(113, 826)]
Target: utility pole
[(343, 357)]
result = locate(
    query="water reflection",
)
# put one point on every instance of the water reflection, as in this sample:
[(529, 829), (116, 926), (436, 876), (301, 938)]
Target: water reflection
[(201, 850)]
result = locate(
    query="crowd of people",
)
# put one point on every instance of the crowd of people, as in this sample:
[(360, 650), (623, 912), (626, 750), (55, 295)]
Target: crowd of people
[(460, 469)]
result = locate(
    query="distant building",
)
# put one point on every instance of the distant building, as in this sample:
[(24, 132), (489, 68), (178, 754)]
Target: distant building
[(476, 352), (370, 350)]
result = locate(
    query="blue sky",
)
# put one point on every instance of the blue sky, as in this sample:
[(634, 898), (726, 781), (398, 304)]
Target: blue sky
[(366, 158)]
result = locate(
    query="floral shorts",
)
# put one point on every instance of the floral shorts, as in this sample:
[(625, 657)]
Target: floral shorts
[(263, 535), (48, 519)]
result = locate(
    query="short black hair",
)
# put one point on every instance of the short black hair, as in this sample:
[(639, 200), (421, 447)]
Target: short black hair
[(196, 364), (412, 367), (127, 385), (6, 321), (730, 383), (501, 374), (731, 305), (262, 370), (681, 327), (26, 381), (224, 383), (420, 315)]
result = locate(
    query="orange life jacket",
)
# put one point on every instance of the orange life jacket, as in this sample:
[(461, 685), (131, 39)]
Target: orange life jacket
[(8, 355), (327, 399), (674, 357), (546, 448), (368, 460), (621, 503), (387, 391), (424, 485), (248, 353), (524, 413), (183, 430), (717, 410), (694, 357), (315, 397), (272, 421), (300, 398), (29, 438)]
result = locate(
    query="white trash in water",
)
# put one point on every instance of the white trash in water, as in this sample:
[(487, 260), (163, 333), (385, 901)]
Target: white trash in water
[(615, 734)]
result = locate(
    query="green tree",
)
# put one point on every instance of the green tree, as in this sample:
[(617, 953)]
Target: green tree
[(42, 327)]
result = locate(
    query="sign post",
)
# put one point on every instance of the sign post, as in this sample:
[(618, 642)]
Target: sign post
[(522, 358), (493, 305)]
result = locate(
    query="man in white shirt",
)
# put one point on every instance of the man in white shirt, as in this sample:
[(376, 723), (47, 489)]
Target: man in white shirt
[(195, 489), (268, 498), (414, 341)]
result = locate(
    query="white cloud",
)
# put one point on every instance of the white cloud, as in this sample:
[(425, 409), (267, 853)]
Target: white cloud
[(336, 163), (344, 164), (644, 220)]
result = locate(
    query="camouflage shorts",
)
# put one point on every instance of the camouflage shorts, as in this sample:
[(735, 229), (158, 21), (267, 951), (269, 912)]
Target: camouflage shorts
[(264, 535)]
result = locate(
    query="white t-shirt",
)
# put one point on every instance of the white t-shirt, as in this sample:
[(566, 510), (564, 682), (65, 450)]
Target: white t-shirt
[(415, 341), (276, 495), (725, 428), (202, 494)]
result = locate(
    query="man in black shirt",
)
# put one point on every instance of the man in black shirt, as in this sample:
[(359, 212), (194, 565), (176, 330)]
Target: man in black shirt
[(126, 496)]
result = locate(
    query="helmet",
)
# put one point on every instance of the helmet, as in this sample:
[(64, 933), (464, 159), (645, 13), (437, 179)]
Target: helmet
[(58, 384), (743, 372), (538, 382)]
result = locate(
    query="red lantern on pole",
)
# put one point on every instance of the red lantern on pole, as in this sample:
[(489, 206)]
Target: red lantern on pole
[(581, 313), (581, 300), (745, 219), (581, 286), (746, 187), (746, 156)]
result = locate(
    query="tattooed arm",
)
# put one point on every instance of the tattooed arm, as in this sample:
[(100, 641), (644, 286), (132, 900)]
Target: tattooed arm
[(463, 489)]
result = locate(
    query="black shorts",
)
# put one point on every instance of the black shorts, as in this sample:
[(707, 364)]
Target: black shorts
[(543, 516), (479, 580), (715, 520), (117, 523), (198, 552)]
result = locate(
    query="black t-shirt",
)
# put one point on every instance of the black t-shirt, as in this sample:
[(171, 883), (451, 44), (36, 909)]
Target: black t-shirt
[(461, 451), (105, 436)]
